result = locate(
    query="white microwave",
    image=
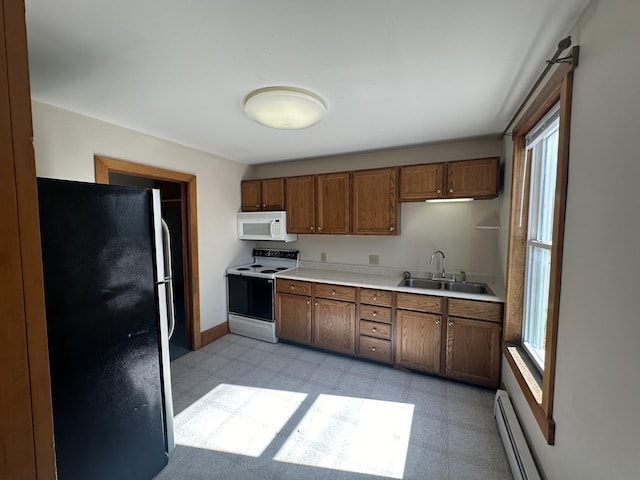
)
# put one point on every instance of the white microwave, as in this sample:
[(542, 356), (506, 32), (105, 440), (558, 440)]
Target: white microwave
[(264, 226)]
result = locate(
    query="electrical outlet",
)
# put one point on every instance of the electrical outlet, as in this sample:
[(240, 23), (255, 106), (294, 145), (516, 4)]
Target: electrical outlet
[(373, 259), (323, 257)]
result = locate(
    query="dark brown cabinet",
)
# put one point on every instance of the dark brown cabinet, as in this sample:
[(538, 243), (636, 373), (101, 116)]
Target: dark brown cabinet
[(375, 202), (473, 341), (293, 310), (334, 317), (300, 204), (375, 325), (419, 331), (266, 194), (476, 178), (319, 203)]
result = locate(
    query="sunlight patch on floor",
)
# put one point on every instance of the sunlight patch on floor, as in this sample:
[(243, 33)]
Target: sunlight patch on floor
[(352, 434), (236, 419)]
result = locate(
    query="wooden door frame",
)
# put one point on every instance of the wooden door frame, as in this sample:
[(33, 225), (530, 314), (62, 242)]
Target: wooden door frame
[(105, 165), (26, 415)]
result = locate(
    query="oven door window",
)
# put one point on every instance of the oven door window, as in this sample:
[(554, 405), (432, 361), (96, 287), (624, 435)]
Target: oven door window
[(251, 296)]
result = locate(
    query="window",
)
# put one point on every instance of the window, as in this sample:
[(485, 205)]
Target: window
[(542, 152), (534, 263)]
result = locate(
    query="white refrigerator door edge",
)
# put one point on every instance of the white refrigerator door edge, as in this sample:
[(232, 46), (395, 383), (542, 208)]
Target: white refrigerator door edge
[(165, 360)]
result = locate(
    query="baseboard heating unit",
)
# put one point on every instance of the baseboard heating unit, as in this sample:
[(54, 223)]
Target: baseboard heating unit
[(520, 460)]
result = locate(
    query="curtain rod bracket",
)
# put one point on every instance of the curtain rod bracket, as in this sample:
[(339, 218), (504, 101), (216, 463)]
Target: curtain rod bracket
[(562, 46), (568, 59)]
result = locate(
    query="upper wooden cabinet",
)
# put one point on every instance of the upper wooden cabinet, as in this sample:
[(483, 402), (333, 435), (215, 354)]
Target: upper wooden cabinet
[(421, 182), (266, 194), (466, 178), (333, 203), (300, 204), (375, 202), (473, 178), (319, 203)]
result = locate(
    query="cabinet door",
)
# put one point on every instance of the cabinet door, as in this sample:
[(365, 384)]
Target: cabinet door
[(375, 202), (334, 325), (273, 194), (293, 317), (421, 182), (418, 340), (300, 204), (333, 205), (473, 351), (251, 199), (473, 178)]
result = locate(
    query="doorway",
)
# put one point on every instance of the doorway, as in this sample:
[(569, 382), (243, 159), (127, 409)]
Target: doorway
[(178, 209)]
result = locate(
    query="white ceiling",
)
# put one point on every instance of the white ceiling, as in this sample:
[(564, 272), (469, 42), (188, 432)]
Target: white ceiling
[(392, 72)]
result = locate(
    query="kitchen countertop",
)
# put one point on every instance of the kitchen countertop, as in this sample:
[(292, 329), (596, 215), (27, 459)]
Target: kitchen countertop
[(387, 280)]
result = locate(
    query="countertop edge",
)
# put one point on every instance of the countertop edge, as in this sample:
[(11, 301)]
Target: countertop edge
[(376, 281)]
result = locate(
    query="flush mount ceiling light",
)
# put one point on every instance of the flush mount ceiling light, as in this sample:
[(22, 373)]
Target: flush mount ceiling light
[(284, 107)]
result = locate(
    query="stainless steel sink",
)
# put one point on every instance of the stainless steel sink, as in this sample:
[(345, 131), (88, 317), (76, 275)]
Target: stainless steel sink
[(480, 288), (420, 283), (463, 287)]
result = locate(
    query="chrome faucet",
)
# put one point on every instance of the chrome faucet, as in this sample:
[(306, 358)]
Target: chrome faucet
[(443, 261)]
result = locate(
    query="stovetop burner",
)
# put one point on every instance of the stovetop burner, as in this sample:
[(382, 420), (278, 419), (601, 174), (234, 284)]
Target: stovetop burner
[(268, 262)]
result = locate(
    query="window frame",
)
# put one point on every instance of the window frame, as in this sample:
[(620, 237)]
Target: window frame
[(537, 387)]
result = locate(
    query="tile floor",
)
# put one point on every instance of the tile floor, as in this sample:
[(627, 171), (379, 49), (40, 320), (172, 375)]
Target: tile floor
[(247, 409)]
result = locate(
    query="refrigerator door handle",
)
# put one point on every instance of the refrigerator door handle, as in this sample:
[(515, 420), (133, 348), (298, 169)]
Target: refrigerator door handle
[(168, 279)]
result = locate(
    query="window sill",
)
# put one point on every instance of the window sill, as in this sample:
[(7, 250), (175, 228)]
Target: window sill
[(530, 383)]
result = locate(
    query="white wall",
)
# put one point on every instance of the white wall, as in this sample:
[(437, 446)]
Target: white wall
[(66, 142), (424, 227), (597, 389)]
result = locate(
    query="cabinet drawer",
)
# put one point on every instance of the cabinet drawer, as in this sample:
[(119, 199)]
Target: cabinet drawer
[(375, 349), (293, 286), (377, 314), (489, 311), (375, 329), (420, 303), (376, 297), (335, 292)]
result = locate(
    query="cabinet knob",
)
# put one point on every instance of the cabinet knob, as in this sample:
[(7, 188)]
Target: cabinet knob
[(451, 190), (257, 205), (311, 228), (319, 228), (438, 191), (333, 292), (308, 302), (375, 298), (316, 304), (437, 322), (373, 348), (373, 329), (391, 229), (374, 314), (450, 324), (291, 287), (264, 205)]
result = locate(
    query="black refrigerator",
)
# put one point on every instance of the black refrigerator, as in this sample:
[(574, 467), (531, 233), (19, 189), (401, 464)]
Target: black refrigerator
[(108, 314)]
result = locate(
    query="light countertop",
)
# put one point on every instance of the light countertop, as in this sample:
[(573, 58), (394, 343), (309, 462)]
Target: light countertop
[(386, 279)]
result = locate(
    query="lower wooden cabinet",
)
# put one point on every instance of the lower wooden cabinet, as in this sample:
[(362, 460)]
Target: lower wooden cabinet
[(334, 325), (418, 340), (294, 318), (456, 338), (473, 351)]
